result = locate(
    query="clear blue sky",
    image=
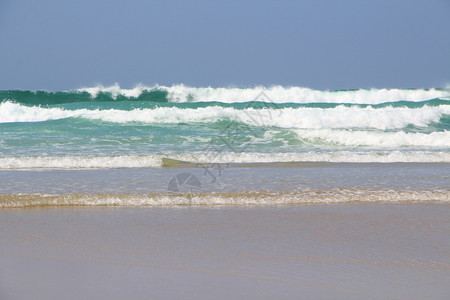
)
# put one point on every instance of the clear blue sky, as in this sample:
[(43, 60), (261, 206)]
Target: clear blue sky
[(323, 44)]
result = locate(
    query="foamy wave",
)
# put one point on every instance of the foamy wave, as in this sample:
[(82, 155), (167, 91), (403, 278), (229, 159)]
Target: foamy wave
[(79, 162), (155, 160), (211, 199), (379, 139), (303, 118), (278, 94)]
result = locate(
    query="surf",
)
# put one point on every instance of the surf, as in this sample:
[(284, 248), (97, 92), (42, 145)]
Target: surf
[(301, 118), (181, 93), (200, 159)]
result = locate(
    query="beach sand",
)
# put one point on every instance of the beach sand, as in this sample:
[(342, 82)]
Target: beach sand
[(320, 251)]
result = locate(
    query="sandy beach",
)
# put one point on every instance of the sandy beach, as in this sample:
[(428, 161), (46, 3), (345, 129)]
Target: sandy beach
[(326, 251)]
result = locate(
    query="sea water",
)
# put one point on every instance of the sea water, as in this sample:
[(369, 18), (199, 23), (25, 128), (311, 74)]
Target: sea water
[(150, 145)]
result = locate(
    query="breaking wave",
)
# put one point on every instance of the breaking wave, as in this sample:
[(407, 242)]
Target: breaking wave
[(278, 94), (183, 93), (301, 118)]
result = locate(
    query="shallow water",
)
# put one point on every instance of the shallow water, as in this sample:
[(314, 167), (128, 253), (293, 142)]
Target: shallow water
[(295, 184), (226, 178)]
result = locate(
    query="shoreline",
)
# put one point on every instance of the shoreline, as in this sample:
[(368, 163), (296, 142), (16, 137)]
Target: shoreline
[(212, 185), (230, 199)]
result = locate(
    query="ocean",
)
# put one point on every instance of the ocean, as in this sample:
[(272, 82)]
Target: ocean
[(169, 145)]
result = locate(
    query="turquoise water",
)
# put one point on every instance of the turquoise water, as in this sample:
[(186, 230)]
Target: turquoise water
[(109, 127)]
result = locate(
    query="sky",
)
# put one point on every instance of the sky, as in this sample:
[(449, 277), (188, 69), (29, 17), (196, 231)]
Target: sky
[(321, 44)]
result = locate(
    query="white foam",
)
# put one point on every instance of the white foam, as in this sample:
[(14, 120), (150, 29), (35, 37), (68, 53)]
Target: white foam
[(302, 118), (155, 160), (12, 112), (378, 139), (79, 162), (278, 94)]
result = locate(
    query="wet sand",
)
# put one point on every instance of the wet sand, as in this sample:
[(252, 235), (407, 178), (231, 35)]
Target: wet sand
[(321, 251)]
